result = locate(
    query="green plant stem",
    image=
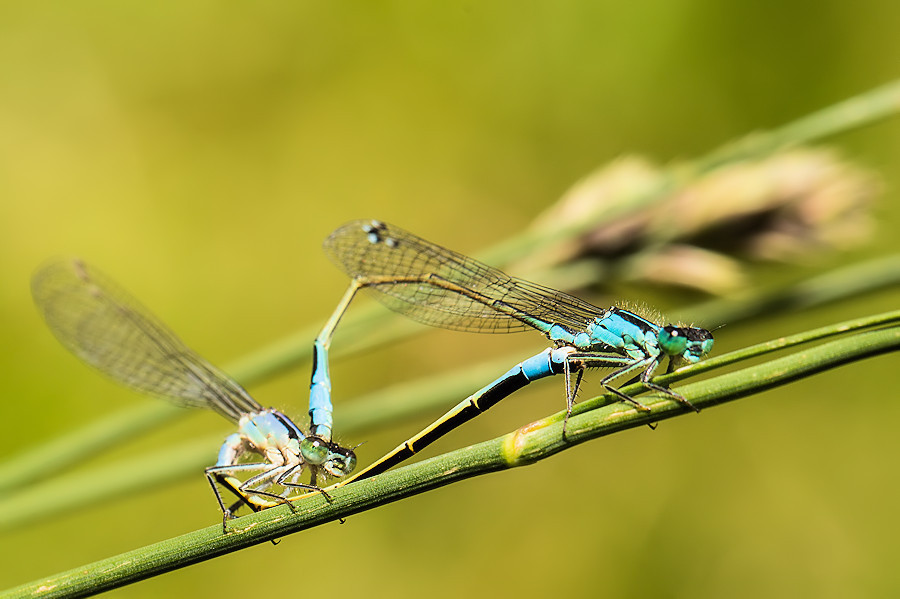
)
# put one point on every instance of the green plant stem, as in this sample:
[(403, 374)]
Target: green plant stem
[(70, 491), (531, 443), (848, 326), (48, 458), (865, 109), (838, 284), (388, 406)]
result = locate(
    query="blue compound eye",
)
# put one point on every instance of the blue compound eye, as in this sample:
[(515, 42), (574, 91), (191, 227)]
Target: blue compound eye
[(672, 340)]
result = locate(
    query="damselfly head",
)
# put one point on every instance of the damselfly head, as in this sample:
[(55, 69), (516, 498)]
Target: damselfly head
[(689, 343), (331, 457)]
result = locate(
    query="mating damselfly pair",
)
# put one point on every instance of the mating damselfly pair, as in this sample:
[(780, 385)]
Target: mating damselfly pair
[(108, 329)]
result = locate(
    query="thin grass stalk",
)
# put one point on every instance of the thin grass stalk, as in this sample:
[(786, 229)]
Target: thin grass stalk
[(526, 445)]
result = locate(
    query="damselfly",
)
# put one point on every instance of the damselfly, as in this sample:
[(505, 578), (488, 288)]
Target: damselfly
[(443, 288), (108, 329)]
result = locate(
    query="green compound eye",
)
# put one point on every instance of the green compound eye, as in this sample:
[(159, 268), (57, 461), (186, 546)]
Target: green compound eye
[(314, 450), (672, 340), (342, 465)]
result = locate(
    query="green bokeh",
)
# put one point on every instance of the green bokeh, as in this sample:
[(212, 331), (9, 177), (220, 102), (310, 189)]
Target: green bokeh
[(200, 152)]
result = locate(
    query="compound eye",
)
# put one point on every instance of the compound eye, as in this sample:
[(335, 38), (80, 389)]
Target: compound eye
[(314, 450), (342, 466), (672, 340)]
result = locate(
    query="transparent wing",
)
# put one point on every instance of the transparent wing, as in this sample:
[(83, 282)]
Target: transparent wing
[(107, 328), (479, 298)]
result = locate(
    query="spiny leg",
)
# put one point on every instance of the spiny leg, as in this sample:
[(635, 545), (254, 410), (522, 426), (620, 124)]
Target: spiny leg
[(647, 366), (223, 475), (283, 480), (311, 487), (262, 481), (627, 366), (622, 372), (258, 484), (645, 379), (220, 475), (226, 512), (571, 391)]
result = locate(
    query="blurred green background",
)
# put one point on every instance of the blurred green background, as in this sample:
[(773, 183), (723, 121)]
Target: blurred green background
[(200, 152)]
